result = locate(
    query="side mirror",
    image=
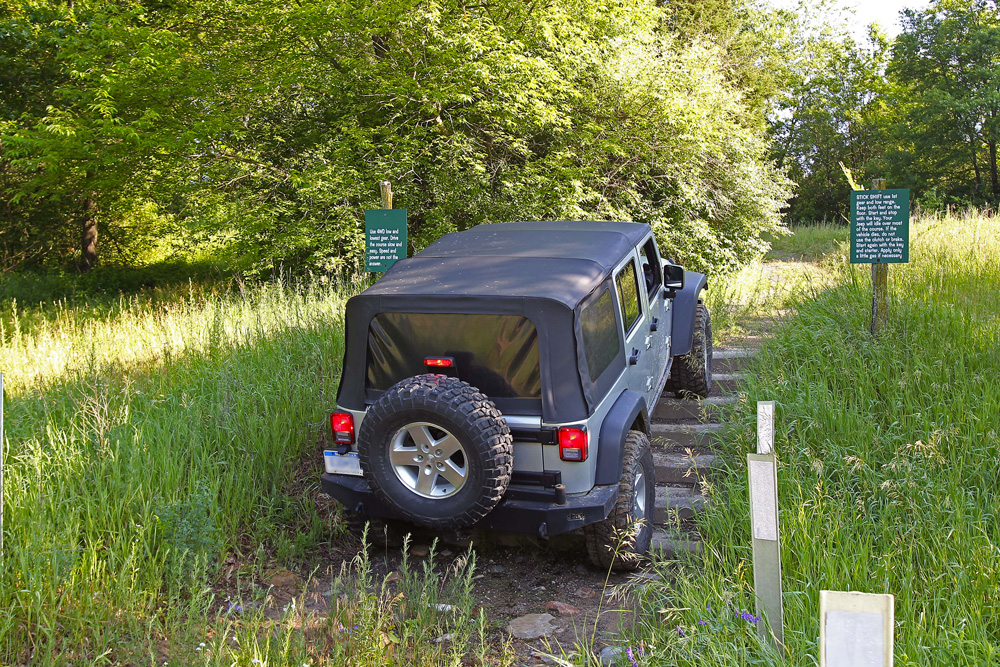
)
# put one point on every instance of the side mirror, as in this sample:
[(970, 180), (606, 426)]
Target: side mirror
[(673, 276)]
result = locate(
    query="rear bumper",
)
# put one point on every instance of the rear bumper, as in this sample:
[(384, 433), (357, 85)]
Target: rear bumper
[(523, 509)]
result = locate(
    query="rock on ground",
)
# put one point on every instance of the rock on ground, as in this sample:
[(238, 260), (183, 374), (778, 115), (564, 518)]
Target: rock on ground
[(561, 608), (284, 580), (610, 654), (532, 626)]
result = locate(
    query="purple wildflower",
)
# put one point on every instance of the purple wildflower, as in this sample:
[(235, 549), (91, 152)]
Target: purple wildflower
[(702, 622), (680, 631), (631, 656), (749, 618)]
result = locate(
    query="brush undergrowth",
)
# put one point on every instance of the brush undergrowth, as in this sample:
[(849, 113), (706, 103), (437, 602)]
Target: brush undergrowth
[(888, 477), (422, 617)]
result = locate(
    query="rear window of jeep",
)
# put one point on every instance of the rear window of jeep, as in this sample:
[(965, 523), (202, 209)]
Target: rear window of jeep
[(498, 354)]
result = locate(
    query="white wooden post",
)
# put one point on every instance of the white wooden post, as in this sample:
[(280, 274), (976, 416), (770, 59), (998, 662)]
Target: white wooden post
[(763, 477), (855, 629)]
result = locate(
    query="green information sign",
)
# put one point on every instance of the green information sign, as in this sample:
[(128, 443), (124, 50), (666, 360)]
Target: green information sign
[(880, 226), (385, 238)]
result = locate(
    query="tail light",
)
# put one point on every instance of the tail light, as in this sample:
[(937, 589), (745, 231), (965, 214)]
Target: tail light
[(342, 425), (439, 362), (573, 444)]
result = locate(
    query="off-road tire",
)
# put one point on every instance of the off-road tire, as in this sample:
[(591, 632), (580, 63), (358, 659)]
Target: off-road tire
[(691, 374), (466, 413), (621, 541), (382, 533)]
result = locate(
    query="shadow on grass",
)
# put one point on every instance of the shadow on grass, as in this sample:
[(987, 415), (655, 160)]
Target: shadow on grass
[(34, 288)]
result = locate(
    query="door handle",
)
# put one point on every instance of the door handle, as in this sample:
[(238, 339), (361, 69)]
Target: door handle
[(634, 359), (654, 324)]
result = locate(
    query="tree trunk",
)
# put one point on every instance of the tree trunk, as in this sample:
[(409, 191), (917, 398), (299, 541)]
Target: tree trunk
[(993, 170), (975, 163), (88, 237)]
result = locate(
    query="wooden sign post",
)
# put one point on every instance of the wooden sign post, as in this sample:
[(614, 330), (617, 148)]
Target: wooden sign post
[(880, 282), (880, 234), (762, 472), (855, 629), (386, 188)]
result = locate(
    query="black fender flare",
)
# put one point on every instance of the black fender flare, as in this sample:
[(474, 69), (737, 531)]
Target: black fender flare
[(629, 407), (684, 310)]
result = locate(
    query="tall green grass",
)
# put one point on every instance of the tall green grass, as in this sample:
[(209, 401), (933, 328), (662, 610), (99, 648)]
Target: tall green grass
[(888, 468), (809, 241), (749, 303), (157, 440), (145, 439)]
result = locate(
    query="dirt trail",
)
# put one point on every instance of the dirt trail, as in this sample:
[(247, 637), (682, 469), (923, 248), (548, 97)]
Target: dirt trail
[(516, 576)]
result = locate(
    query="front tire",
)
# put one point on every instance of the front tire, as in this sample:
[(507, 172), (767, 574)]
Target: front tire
[(620, 541), (691, 374)]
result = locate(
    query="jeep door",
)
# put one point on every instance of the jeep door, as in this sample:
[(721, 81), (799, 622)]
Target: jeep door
[(633, 310), (659, 322)]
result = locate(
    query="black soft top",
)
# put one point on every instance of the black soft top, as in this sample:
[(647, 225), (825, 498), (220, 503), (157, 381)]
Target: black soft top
[(560, 261), (543, 271)]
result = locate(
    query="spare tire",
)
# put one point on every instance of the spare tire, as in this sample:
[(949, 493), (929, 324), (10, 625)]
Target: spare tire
[(437, 451)]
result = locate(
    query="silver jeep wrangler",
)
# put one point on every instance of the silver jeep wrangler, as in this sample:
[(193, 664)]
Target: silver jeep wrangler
[(503, 378)]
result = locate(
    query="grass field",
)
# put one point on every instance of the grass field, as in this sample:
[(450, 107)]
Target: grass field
[(888, 474), (146, 439), (162, 450), (809, 241)]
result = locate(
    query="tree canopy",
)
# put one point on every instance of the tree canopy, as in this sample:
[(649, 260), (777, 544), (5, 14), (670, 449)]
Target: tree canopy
[(141, 128), (946, 67), (270, 124)]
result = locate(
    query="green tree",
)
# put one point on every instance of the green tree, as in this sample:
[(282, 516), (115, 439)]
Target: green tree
[(563, 109), (830, 109), (28, 72), (750, 40), (946, 70), (103, 95)]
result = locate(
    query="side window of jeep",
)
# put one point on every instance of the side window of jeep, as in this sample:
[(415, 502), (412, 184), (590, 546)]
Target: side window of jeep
[(600, 333), (628, 295), (651, 269)]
